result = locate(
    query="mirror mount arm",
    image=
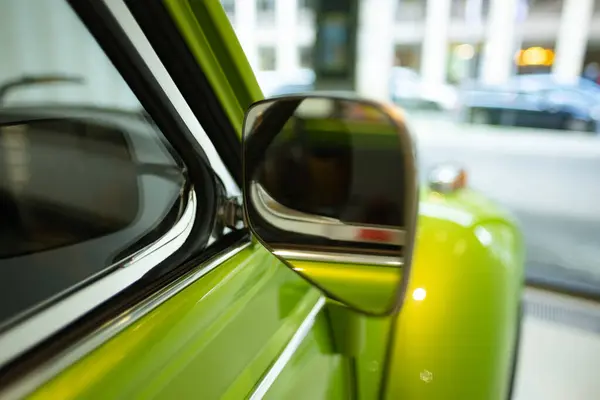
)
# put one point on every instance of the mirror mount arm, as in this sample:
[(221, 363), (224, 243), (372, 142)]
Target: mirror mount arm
[(231, 213)]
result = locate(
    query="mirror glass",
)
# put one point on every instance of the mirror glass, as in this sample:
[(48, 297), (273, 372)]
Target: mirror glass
[(330, 187)]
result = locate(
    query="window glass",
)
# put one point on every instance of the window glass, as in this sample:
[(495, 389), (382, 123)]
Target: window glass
[(305, 57), (304, 4), (410, 10), (265, 12), (266, 58), (86, 179), (265, 5), (229, 7), (305, 12)]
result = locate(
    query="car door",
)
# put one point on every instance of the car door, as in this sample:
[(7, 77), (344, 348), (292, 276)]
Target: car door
[(163, 303)]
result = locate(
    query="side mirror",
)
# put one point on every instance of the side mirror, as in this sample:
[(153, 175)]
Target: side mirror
[(330, 187)]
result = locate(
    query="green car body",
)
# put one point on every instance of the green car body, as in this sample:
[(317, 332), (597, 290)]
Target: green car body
[(241, 324)]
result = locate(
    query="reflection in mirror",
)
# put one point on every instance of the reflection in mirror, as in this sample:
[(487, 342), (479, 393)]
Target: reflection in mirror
[(330, 187), (63, 170), (69, 181)]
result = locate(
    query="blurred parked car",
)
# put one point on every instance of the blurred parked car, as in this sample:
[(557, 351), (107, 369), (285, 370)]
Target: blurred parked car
[(409, 89), (535, 101)]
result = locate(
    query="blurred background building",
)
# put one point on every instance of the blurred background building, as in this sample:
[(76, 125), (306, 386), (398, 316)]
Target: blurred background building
[(446, 41)]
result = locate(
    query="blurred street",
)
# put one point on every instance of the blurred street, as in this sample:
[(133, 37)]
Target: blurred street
[(548, 179)]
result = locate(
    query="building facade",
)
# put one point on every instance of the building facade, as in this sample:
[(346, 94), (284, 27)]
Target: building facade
[(445, 40)]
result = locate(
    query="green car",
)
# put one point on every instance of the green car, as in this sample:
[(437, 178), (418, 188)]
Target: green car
[(167, 233)]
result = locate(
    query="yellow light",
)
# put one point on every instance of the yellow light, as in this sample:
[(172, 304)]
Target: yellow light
[(465, 51), (535, 56), (419, 294), (549, 57)]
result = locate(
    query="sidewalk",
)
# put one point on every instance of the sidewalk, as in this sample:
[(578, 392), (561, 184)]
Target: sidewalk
[(559, 358)]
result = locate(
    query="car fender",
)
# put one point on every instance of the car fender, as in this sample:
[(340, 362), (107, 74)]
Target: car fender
[(456, 334)]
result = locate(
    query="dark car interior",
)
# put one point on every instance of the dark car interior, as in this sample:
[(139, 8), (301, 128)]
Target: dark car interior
[(57, 166)]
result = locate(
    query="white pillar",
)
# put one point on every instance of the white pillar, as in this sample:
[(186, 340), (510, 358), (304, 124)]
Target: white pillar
[(434, 53), (245, 27), (287, 48), (501, 42), (375, 48), (571, 43)]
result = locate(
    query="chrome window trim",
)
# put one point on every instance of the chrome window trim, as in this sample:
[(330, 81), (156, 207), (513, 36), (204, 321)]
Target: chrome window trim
[(344, 258), (134, 32), (77, 351), (26, 334), (288, 352)]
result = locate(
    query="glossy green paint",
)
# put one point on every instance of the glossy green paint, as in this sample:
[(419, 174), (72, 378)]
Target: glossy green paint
[(336, 129), (371, 365), (372, 288), (314, 373), (464, 330), (459, 341), (340, 132), (212, 40), (215, 339)]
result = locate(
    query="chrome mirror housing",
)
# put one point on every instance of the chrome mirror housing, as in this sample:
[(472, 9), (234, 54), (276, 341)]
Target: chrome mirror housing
[(330, 187)]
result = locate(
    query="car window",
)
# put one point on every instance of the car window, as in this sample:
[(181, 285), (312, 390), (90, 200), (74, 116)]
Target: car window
[(86, 178)]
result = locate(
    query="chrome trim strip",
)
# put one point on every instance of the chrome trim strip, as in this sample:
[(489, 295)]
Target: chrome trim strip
[(290, 220), (135, 34), (267, 203), (53, 367), (288, 352), (362, 259), (40, 326)]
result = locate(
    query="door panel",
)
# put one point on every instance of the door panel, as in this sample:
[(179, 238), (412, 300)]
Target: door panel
[(314, 372), (217, 337)]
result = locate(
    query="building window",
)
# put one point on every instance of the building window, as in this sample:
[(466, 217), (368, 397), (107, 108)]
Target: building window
[(407, 56), (547, 7), (470, 11), (265, 12), (305, 57), (305, 12), (304, 4), (265, 6), (266, 58), (410, 10), (229, 7)]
